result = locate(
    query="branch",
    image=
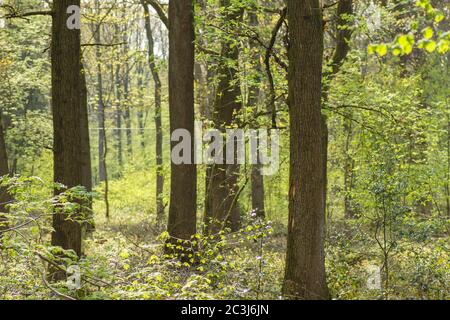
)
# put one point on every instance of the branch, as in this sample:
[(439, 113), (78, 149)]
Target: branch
[(160, 11), (103, 44), (13, 13), (268, 69)]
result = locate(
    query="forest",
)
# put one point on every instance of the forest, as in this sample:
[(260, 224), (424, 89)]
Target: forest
[(224, 150)]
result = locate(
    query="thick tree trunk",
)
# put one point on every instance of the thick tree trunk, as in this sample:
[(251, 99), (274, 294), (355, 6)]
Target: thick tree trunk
[(67, 112), (183, 188), (305, 258), (222, 207), (158, 121)]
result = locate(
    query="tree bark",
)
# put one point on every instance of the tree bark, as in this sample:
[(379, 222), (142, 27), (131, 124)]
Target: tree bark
[(183, 188), (68, 129), (305, 259)]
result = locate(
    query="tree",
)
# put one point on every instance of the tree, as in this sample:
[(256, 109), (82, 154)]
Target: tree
[(158, 123), (86, 147), (221, 204), (183, 188), (305, 259), (101, 117), (4, 170), (343, 36), (257, 178), (102, 148), (67, 128)]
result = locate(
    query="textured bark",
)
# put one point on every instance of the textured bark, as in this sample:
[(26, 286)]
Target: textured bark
[(158, 121), (183, 188), (67, 112), (305, 259), (221, 204)]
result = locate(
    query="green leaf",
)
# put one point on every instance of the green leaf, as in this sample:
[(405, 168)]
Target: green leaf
[(381, 50), (428, 33), (439, 17), (406, 43), (443, 46), (430, 46), (397, 51)]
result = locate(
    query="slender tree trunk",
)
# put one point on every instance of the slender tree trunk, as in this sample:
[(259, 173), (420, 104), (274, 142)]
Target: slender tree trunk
[(158, 122), (127, 114), (257, 179), (447, 180), (119, 117), (343, 36), (349, 209), (222, 207), (140, 113), (102, 143), (68, 129), (86, 149), (305, 258), (4, 171), (183, 188), (101, 108)]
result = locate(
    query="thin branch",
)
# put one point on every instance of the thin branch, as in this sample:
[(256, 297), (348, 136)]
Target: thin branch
[(160, 11)]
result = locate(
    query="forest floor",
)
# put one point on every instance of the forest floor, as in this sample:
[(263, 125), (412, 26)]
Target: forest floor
[(124, 259)]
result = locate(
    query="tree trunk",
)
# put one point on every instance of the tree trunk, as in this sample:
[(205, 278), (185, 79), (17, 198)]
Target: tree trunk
[(183, 188), (158, 122), (101, 108), (68, 129), (86, 149), (222, 207), (349, 210), (305, 258), (127, 114), (257, 179), (102, 143), (4, 171), (343, 37), (119, 118)]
